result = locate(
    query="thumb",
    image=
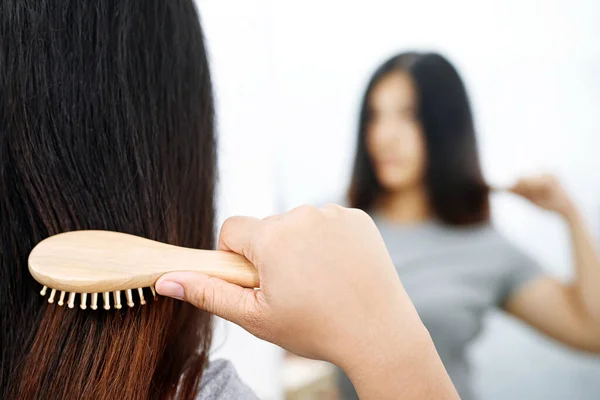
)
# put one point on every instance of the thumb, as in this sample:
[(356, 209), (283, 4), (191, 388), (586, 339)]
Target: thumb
[(226, 300)]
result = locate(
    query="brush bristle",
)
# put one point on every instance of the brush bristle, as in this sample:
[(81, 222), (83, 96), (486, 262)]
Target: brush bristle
[(94, 302)]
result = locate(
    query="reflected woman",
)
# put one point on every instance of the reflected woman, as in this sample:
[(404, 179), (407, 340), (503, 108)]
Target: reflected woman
[(417, 173)]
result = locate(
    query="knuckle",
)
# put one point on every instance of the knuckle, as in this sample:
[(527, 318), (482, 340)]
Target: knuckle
[(334, 209), (228, 222), (306, 210), (360, 215), (306, 214), (333, 206), (228, 226), (203, 298)]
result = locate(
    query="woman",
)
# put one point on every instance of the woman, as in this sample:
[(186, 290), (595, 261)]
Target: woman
[(417, 173), (106, 122)]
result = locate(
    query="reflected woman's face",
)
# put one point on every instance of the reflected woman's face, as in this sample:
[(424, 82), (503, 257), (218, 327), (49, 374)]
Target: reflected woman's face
[(394, 134)]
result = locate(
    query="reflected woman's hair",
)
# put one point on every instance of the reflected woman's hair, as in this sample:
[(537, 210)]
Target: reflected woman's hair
[(106, 122), (456, 190)]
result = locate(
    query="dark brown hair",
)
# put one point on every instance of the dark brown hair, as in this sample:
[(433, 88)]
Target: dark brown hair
[(106, 122), (456, 189)]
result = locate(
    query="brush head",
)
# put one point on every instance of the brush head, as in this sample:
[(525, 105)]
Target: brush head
[(95, 261), (82, 262)]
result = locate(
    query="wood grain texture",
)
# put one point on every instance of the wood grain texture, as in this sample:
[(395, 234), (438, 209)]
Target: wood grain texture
[(104, 261)]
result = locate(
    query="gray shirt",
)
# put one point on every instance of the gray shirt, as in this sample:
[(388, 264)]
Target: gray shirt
[(221, 382), (453, 275)]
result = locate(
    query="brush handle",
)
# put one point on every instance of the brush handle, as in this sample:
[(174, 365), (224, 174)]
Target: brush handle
[(104, 261), (228, 266)]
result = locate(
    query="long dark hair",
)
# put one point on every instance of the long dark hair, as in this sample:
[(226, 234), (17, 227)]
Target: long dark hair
[(457, 192), (106, 122)]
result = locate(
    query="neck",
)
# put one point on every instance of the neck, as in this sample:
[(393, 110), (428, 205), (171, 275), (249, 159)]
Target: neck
[(407, 206)]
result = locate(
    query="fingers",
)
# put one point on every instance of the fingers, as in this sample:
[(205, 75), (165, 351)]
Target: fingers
[(517, 187), (524, 188), (238, 234), (542, 190), (226, 300), (533, 184)]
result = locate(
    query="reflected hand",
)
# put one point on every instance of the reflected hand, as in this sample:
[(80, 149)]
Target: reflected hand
[(544, 191)]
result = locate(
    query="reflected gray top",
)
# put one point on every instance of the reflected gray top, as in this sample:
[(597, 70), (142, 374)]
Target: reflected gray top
[(454, 275)]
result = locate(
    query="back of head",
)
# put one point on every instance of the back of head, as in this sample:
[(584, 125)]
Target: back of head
[(106, 122), (455, 186)]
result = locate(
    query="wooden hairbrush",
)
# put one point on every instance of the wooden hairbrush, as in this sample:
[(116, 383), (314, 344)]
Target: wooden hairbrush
[(93, 262)]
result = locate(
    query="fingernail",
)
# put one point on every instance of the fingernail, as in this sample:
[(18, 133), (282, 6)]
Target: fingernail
[(170, 289)]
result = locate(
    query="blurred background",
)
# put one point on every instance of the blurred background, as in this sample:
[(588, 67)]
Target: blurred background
[(289, 77)]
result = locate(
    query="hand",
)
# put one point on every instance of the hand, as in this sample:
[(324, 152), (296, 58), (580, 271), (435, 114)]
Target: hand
[(328, 291), (545, 191), (327, 282)]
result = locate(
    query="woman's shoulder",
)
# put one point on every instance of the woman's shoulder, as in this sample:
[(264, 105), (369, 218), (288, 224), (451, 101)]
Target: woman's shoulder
[(220, 381)]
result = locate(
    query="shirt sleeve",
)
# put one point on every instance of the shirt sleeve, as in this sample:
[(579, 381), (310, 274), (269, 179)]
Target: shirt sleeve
[(221, 382), (520, 270)]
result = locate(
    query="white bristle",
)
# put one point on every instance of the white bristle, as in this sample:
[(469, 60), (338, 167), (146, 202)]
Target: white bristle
[(94, 298), (71, 302), (61, 299), (129, 296), (117, 296), (106, 300), (141, 293), (52, 294)]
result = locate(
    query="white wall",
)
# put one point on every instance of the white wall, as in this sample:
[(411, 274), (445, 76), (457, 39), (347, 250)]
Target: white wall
[(288, 79)]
